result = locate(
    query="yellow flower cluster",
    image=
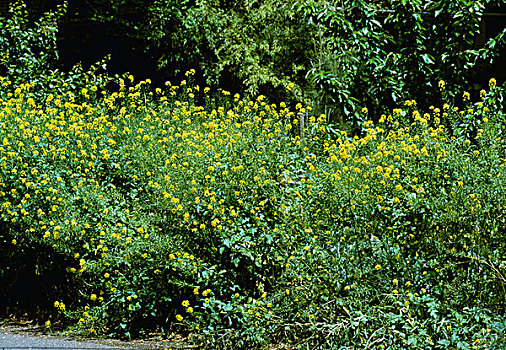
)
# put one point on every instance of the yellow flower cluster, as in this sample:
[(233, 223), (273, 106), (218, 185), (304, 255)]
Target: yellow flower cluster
[(142, 190)]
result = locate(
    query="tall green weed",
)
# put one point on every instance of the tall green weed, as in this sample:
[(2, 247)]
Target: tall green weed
[(231, 222)]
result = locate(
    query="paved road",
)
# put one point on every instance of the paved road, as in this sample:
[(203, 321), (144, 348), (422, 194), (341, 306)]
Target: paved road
[(18, 341), (9, 341)]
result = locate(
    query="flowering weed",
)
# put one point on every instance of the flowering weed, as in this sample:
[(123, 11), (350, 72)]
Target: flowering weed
[(230, 222)]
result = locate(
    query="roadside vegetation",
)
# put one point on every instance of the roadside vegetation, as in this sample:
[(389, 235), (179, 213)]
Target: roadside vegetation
[(241, 222), (230, 221)]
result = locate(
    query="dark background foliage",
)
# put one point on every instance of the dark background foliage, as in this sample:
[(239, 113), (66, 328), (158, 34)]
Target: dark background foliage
[(340, 56)]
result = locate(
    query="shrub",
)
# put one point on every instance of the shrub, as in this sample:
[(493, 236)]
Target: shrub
[(376, 54), (30, 54), (336, 56)]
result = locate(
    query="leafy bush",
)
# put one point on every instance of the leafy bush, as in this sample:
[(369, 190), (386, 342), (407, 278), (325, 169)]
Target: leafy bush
[(232, 222), (252, 46), (376, 54), (338, 57), (29, 54)]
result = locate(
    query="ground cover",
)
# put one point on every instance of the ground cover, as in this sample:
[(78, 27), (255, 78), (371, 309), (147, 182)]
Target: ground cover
[(244, 223)]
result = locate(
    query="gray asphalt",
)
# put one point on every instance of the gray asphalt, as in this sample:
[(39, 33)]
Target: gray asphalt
[(10, 341), (16, 341)]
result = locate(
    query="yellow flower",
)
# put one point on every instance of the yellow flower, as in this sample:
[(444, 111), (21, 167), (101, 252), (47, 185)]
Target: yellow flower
[(93, 297), (185, 303), (492, 82), (179, 318)]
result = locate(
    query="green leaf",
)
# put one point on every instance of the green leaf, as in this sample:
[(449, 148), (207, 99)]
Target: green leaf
[(427, 59)]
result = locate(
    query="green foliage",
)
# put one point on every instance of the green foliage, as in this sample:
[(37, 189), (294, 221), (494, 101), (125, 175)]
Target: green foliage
[(231, 222), (257, 46), (263, 45), (353, 66), (171, 34), (29, 53), (374, 55), (245, 223), (339, 56)]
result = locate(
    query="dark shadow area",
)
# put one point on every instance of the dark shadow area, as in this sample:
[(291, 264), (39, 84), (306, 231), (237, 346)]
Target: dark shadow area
[(32, 278), (88, 43)]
